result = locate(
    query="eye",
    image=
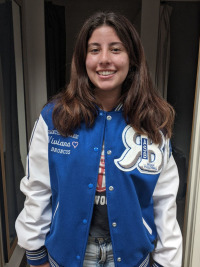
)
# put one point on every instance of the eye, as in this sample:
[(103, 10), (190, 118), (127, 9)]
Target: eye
[(116, 50), (93, 50)]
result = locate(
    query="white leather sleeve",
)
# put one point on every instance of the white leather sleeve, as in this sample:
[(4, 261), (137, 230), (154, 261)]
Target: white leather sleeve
[(168, 251), (33, 222)]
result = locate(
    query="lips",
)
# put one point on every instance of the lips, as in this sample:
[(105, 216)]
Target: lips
[(106, 72)]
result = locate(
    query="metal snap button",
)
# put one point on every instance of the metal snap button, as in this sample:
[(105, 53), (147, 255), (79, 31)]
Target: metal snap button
[(111, 188)]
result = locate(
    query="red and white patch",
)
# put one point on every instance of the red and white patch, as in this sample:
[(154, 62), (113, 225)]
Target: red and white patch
[(101, 183)]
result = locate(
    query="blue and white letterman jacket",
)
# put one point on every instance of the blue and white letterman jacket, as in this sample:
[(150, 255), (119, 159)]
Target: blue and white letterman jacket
[(141, 187)]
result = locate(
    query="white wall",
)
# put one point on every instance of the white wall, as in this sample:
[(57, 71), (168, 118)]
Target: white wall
[(19, 82), (35, 79), (34, 34)]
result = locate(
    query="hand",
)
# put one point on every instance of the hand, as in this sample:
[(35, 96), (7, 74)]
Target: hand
[(42, 265)]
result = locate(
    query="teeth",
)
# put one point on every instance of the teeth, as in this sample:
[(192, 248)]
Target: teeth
[(105, 73)]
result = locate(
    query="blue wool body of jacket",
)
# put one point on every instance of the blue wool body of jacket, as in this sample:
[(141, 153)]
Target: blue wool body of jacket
[(132, 168), (73, 182)]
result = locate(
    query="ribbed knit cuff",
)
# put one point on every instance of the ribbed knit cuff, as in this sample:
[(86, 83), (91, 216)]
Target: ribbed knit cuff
[(37, 257), (155, 264)]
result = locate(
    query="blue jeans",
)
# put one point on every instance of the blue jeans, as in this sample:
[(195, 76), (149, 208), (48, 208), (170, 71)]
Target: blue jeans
[(99, 253)]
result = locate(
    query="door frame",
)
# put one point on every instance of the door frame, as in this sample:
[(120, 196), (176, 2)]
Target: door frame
[(192, 208)]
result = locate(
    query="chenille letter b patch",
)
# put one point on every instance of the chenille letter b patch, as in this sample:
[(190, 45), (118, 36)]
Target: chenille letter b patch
[(140, 153)]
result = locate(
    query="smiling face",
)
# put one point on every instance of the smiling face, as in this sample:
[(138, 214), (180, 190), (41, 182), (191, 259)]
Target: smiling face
[(107, 61)]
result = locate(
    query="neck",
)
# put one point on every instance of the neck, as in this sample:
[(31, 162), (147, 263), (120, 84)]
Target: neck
[(106, 100)]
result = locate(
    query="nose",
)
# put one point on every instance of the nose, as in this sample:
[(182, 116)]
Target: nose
[(104, 58)]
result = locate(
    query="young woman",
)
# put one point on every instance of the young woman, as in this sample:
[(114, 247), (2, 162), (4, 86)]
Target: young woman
[(101, 181)]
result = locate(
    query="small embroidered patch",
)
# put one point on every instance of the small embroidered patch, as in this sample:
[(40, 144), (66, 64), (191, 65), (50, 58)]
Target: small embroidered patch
[(74, 144)]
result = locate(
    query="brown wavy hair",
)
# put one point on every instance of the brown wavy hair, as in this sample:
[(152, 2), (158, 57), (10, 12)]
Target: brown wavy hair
[(143, 108)]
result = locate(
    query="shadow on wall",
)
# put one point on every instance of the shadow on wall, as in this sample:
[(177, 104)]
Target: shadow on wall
[(182, 169)]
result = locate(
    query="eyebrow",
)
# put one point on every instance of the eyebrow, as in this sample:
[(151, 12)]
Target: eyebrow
[(113, 43)]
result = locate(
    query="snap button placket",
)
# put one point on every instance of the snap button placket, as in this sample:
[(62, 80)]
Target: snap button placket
[(114, 224), (90, 186), (78, 257), (111, 188), (84, 221), (119, 259)]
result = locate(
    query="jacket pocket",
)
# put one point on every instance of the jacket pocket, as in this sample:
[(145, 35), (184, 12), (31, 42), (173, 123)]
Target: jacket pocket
[(147, 226)]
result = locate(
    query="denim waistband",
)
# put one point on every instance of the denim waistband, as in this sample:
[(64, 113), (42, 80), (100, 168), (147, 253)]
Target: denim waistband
[(145, 262), (99, 240)]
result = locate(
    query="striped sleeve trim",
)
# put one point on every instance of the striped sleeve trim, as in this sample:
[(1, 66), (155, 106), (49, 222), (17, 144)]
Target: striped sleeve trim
[(32, 134), (37, 256), (155, 264), (52, 262), (145, 262)]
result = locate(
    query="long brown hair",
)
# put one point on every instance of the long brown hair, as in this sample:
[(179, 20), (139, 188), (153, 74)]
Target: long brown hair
[(143, 108)]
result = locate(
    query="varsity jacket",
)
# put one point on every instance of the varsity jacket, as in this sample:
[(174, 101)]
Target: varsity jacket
[(60, 183)]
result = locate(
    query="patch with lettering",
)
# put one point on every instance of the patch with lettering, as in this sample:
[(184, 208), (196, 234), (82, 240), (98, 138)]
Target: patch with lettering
[(60, 145), (140, 152)]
